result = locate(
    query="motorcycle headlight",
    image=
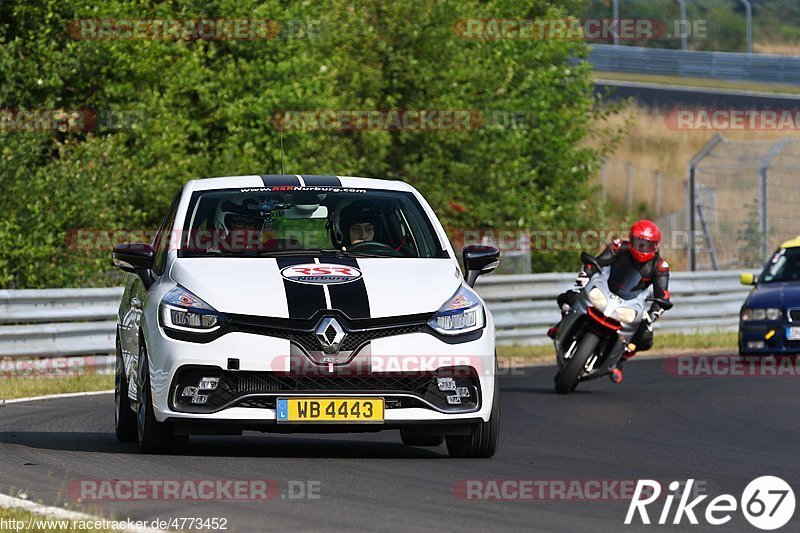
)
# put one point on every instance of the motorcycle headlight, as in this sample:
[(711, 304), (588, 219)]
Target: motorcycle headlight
[(183, 311), (624, 314), (598, 299), (462, 313)]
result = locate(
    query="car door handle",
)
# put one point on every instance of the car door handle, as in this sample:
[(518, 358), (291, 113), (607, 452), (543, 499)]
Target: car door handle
[(136, 303)]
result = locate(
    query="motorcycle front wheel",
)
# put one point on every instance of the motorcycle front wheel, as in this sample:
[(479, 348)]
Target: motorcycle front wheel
[(567, 378)]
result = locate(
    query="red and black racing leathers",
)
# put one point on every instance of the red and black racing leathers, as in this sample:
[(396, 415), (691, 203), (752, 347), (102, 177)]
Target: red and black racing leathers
[(629, 275)]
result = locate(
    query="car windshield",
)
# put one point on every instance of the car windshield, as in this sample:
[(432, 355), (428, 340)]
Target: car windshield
[(272, 221), (783, 266)]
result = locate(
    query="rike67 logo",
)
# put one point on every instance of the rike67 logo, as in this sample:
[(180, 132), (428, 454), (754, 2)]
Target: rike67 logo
[(767, 502)]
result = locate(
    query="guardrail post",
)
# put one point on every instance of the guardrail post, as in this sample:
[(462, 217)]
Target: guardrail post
[(657, 177), (749, 24), (629, 179), (603, 177), (692, 204)]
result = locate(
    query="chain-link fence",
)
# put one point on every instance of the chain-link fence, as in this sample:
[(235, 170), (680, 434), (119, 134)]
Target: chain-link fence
[(746, 197), (637, 187)]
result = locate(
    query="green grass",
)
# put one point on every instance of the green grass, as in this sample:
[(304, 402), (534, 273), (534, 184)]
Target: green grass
[(664, 344), (676, 341), (23, 387), (698, 82), (41, 522)]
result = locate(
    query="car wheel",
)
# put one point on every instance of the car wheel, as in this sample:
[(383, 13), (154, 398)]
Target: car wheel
[(124, 416), (154, 436), (410, 438), (482, 443)]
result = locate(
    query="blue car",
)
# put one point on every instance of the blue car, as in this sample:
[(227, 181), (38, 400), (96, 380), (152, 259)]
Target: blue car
[(769, 321)]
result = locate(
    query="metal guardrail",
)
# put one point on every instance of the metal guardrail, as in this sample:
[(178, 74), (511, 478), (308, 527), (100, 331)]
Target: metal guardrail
[(58, 322), (716, 65), (524, 306), (68, 322)]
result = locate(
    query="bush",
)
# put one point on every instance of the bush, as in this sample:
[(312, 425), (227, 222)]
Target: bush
[(203, 108)]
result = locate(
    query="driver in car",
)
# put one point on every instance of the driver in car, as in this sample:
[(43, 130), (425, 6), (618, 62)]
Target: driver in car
[(359, 222), (237, 225)]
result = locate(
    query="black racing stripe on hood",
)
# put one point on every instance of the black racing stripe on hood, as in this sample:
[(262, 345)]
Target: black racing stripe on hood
[(349, 298), (272, 180), (302, 299), (322, 181)]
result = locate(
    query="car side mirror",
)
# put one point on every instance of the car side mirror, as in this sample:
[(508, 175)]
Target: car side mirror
[(136, 258), (746, 278), (479, 259)]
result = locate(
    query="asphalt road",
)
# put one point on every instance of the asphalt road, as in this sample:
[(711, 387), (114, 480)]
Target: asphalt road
[(722, 431)]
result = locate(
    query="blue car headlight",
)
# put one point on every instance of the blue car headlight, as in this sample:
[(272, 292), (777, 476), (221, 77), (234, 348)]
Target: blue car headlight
[(183, 311), (770, 313), (462, 313)]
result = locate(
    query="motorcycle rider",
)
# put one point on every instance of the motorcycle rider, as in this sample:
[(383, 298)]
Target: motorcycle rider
[(640, 253)]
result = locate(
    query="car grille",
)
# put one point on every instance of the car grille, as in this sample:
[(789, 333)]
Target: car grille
[(303, 335), (259, 389), (794, 315)]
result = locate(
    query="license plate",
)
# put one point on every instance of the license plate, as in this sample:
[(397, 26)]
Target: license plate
[(352, 410), (793, 333)]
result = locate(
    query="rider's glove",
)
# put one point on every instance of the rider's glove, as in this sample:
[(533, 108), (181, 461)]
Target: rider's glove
[(582, 280), (652, 316)]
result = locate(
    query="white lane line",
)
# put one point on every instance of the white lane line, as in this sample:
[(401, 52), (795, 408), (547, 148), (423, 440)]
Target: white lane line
[(55, 396), (59, 513)]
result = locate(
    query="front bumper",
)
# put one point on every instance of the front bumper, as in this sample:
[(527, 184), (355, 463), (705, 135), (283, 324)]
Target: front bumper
[(766, 338), (401, 369)]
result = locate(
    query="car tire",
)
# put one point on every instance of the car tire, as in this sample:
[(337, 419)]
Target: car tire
[(420, 439), (154, 437), (482, 443), (124, 415)]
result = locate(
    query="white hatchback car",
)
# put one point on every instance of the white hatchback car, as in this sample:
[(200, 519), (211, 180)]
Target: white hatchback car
[(304, 303)]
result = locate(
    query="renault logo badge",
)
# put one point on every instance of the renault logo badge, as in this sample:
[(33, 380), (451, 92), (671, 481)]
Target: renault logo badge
[(330, 334)]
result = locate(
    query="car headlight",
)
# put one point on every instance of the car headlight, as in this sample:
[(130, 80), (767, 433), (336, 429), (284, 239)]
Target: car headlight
[(462, 313), (770, 313), (183, 311), (624, 314), (598, 299)]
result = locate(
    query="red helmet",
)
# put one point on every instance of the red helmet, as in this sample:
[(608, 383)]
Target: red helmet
[(644, 240)]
